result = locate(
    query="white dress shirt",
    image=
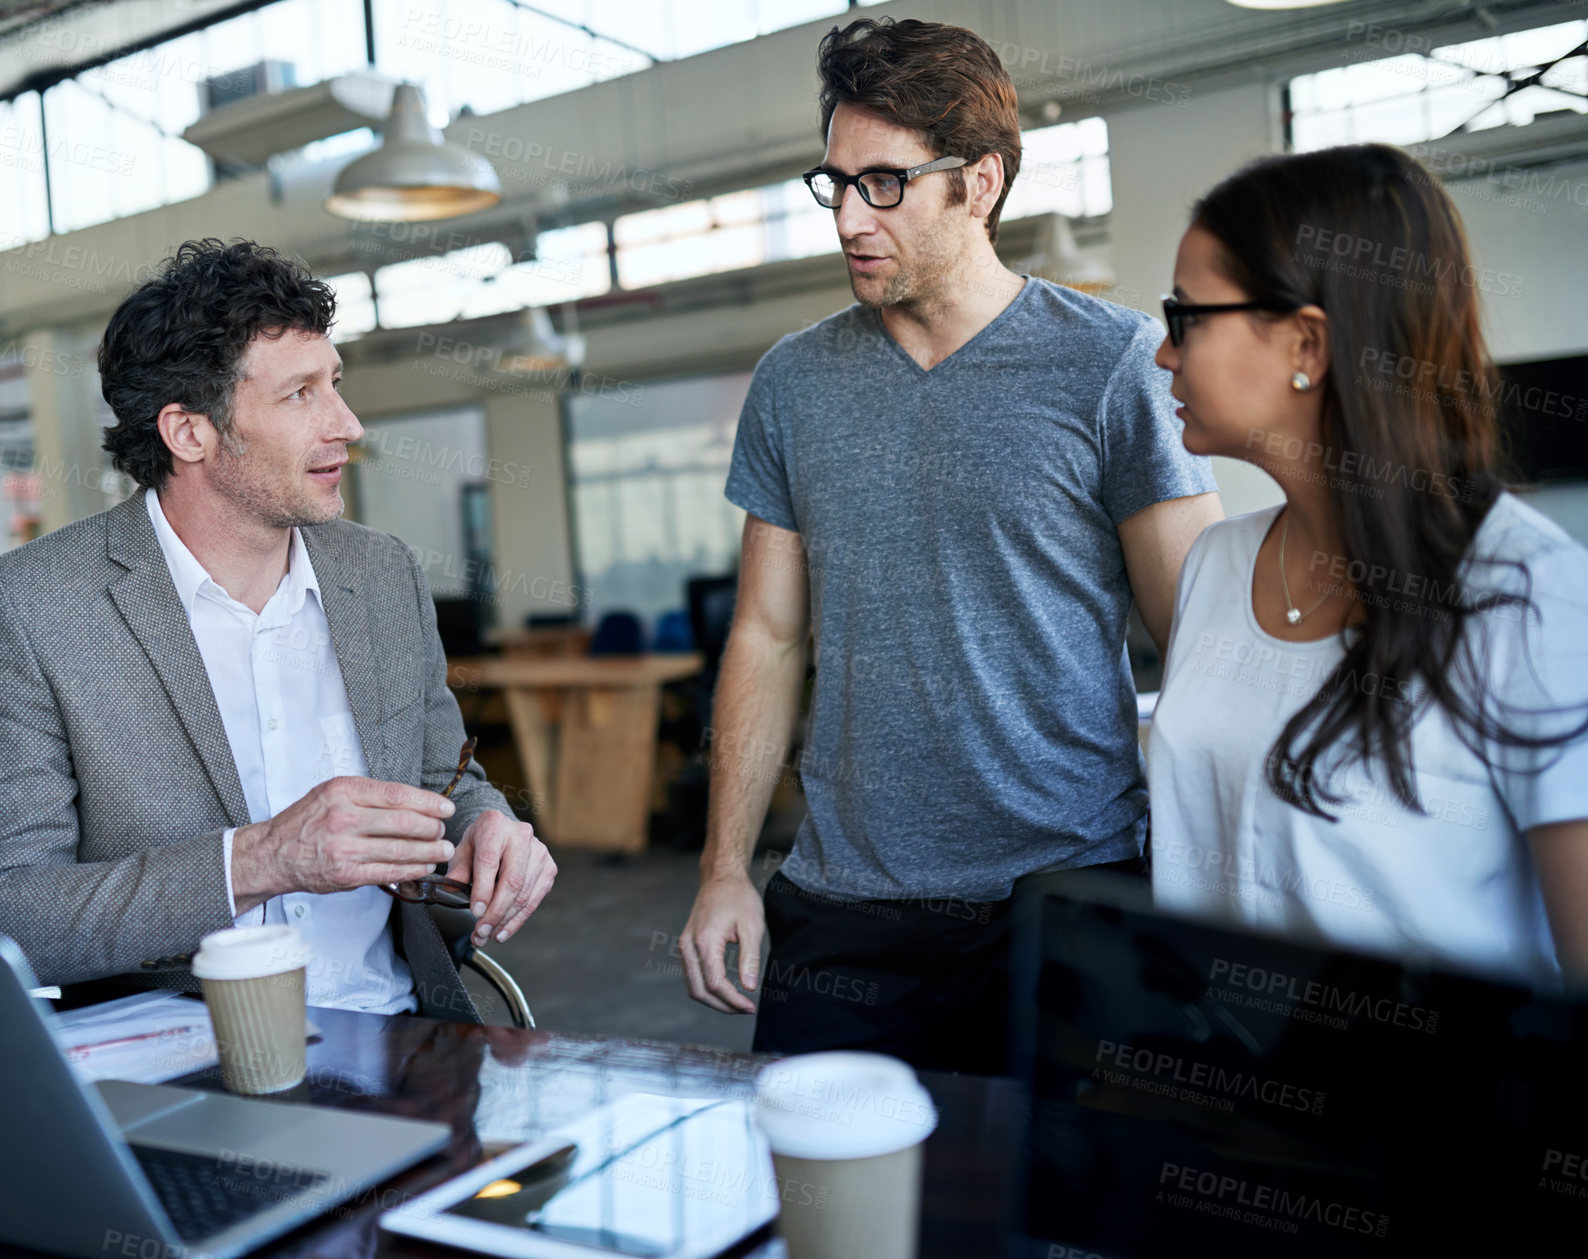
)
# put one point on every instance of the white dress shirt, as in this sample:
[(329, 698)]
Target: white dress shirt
[(283, 703)]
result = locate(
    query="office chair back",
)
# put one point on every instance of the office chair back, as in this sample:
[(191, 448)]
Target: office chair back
[(618, 634), (456, 926), (711, 603), (460, 623), (673, 633)]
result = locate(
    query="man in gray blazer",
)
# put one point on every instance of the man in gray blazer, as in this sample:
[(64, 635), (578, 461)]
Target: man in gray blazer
[(221, 704)]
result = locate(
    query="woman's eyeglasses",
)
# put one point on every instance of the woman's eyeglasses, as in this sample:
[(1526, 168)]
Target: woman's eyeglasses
[(434, 889), (1176, 312)]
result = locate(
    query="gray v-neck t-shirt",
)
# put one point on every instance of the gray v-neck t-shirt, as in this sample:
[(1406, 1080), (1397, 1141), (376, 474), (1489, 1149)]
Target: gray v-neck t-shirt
[(974, 718)]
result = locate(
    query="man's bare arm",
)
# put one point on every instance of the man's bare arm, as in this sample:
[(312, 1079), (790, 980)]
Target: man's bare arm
[(757, 703), (1155, 541)]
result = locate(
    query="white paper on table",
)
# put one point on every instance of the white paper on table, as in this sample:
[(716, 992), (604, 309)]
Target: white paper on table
[(178, 1038)]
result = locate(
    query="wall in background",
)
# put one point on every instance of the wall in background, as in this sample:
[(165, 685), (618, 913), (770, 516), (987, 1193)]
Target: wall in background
[(529, 503), (75, 475), (1529, 235), (1163, 158), (411, 475), (522, 463)]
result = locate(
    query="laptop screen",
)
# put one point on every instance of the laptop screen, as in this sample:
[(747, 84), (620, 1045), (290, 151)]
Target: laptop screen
[(1197, 1090)]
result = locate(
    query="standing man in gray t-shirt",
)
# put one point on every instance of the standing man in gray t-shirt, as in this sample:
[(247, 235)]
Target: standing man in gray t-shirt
[(959, 483)]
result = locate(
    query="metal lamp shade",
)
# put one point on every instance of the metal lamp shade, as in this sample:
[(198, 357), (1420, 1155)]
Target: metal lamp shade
[(537, 350), (415, 174)]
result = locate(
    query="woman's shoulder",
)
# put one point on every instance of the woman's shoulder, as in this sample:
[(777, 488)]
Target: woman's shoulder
[(1220, 560), (1234, 540), (1516, 537)]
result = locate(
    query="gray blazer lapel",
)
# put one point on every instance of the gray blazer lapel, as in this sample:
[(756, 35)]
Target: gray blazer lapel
[(148, 602), (347, 615)]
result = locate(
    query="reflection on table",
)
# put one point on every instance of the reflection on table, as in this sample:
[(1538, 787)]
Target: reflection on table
[(500, 1086)]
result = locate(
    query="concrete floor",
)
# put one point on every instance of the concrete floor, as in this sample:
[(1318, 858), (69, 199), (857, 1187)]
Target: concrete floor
[(599, 956)]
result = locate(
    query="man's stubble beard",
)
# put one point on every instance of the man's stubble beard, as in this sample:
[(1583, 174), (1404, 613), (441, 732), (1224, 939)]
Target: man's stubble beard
[(233, 478), (920, 283)]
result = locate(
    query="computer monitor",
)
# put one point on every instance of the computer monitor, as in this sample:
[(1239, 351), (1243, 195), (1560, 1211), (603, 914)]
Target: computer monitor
[(1200, 1090), (1543, 407)]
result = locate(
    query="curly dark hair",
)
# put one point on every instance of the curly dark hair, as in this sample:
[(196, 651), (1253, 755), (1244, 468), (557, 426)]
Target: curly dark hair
[(944, 80), (180, 336)]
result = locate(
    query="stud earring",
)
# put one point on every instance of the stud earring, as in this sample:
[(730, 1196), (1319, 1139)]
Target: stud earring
[(1301, 382)]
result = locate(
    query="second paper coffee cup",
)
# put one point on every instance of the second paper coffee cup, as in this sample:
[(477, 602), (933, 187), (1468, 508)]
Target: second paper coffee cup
[(846, 1132), (253, 981)]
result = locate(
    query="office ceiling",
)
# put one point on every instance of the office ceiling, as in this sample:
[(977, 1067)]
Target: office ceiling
[(40, 37), (14, 12)]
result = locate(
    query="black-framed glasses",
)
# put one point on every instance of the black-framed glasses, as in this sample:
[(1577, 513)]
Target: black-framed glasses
[(881, 186), (1176, 312)]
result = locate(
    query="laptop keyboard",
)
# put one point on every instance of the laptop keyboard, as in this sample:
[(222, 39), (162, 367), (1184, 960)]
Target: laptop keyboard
[(204, 1194)]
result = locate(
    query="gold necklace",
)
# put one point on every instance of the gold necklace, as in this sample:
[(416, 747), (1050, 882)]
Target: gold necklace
[(1291, 613)]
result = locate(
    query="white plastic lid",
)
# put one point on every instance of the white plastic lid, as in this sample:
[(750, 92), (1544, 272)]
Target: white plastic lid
[(249, 952), (842, 1105)]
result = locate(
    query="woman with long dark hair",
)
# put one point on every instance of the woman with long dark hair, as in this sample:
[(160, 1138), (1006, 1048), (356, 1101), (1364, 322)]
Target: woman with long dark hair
[(1372, 726)]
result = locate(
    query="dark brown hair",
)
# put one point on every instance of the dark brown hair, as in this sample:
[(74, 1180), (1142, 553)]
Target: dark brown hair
[(180, 337), (1415, 459), (943, 80)]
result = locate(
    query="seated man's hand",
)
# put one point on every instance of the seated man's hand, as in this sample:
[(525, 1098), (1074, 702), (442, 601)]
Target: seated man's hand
[(510, 869), (345, 833)]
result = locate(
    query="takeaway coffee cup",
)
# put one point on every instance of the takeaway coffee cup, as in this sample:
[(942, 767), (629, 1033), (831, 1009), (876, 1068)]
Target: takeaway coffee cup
[(253, 985), (846, 1132)]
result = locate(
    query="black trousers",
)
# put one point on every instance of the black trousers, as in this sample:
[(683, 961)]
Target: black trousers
[(924, 980)]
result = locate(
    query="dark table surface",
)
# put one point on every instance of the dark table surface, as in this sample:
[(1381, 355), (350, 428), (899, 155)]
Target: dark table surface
[(498, 1087)]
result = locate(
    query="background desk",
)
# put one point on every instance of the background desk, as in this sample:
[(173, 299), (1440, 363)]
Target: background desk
[(586, 734), (498, 1086), (539, 644)]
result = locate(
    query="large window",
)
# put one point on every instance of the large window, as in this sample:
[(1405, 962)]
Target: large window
[(355, 305), (648, 465), (113, 134), (1063, 169), (483, 279), (490, 55), (22, 161), (718, 234), (1402, 91)]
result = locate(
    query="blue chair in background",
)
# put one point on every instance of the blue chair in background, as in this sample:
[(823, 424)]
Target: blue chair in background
[(673, 634)]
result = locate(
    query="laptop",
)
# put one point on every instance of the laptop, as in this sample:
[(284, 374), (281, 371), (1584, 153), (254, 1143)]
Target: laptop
[(149, 1171), (1203, 1090)]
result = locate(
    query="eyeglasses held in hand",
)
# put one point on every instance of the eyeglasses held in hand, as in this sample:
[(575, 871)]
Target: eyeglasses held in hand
[(881, 186), (435, 889), (1176, 312)]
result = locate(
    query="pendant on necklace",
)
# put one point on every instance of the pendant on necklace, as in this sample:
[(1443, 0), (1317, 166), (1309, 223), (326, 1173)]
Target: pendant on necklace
[(1293, 615)]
